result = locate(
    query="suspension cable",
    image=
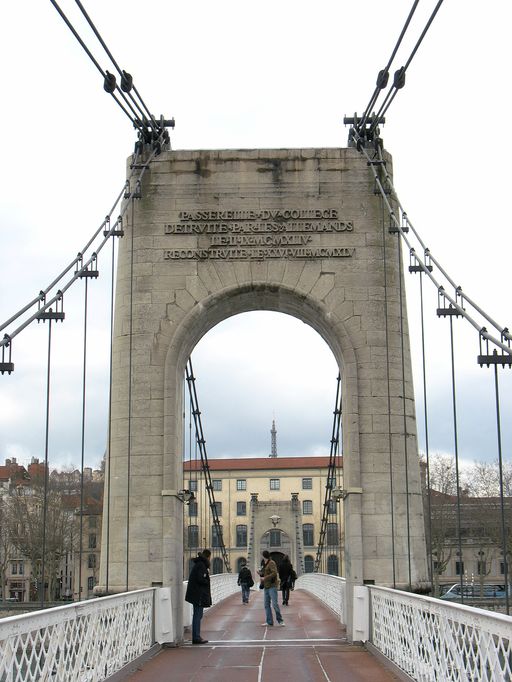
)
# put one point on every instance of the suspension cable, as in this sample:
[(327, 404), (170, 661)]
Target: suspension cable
[(130, 379), (331, 472), (456, 449), (399, 77), (46, 472), (382, 78), (189, 374), (134, 118), (82, 453), (425, 417), (108, 463), (388, 381), (502, 497), (425, 265), (126, 79), (109, 230), (404, 410)]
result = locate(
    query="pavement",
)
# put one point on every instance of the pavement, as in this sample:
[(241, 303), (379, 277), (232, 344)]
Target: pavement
[(311, 647)]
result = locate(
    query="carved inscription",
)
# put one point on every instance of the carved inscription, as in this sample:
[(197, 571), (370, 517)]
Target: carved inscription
[(258, 234)]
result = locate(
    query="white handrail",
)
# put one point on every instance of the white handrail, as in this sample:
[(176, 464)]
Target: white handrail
[(87, 641)]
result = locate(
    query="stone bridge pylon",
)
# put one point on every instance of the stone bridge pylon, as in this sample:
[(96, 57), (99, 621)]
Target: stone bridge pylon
[(217, 233)]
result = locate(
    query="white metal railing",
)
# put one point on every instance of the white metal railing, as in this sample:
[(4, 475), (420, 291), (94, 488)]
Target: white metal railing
[(87, 642), (222, 585), (330, 589), (433, 641)]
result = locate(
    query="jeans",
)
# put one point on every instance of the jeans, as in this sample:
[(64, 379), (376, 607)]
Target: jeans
[(196, 622), (246, 590), (270, 595)]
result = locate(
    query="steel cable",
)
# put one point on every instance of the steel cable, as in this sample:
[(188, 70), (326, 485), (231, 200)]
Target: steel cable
[(424, 267), (108, 463), (399, 78), (46, 460), (390, 448), (119, 70), (7, 339), (130, 379), (502, 497), (404, 409), (384, 71), (82, 453), (457, 472), (425, 417)]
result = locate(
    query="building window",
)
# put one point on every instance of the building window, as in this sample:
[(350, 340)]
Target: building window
[(241, 536), (331, 482), (241, 508), (217, 484), (90, 583), (21, 568), (92, 521), (308, 536), (192, 486), (218, 507), (331, 507), (14, 568), (192, 509), (481, 568), (309, 564), (307, 507), (307, 484), (275, 538), (91, 561), (332, 565), (92, 540), (332, 535), (502, 567), (459, 568), (216, 536), (241, 484), (275, 484), (217, 566), (193, 536)]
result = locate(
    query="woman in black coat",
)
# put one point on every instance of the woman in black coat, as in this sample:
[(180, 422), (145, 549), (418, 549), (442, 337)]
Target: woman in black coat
[(287, 577), (198, 592)]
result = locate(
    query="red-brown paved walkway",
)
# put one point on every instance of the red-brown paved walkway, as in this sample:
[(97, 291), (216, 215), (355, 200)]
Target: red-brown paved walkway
[(312, 647)]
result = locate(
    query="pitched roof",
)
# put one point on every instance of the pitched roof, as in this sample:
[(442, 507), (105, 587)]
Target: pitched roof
[(263, 463)]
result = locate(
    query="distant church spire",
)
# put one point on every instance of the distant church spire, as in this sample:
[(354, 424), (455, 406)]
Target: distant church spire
[(273, 441)]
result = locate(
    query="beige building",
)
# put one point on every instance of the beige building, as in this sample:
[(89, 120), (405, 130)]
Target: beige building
[(273, 503)]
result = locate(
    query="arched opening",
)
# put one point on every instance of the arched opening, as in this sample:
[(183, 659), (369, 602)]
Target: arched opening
[(276, 371)]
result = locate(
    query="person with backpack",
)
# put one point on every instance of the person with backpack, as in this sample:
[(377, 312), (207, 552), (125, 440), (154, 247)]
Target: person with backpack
[(245, 581)]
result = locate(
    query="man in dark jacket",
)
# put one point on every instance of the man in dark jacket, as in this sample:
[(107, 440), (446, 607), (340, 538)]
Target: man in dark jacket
[(198, 592)]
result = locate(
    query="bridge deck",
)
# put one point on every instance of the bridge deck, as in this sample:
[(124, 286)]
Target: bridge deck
[(312, 646)]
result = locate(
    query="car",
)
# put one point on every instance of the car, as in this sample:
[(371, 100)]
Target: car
[(455, 592)]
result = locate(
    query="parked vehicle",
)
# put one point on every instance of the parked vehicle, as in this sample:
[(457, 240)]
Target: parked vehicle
[(455, 592)]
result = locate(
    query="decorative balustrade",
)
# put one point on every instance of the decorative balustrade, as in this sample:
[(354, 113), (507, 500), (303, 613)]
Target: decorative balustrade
[(330, 589), (88, 641), (437, 642)]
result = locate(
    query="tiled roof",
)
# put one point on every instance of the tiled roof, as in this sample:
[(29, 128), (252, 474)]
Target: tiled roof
[(272, 463)]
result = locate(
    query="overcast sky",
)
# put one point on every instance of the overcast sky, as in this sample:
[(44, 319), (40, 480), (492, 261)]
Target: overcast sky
[(243, 75)]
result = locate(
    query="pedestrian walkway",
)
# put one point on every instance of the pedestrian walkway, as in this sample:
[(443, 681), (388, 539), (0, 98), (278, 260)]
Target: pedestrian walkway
[(312, 647)]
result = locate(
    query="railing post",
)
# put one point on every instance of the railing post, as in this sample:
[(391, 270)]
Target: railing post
[(361, 614), (163, 630)]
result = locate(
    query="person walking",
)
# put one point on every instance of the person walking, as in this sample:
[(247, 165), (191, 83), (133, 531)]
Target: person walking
[(287, 578), (245, 581), (198, 592), (270, 582)]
